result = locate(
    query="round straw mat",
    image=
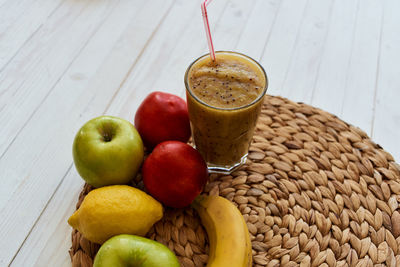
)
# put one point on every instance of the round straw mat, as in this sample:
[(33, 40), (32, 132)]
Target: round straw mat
[(315, 191)]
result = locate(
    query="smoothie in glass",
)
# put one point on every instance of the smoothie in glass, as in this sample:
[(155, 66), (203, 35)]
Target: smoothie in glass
[(224, 99)]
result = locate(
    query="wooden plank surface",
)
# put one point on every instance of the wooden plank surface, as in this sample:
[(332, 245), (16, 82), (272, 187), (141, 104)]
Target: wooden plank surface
[(280, 44), (329, 87), (358, 104), (386, 121), (83, 92), (63, 62), (300, 76), (28, 79), (19, 21)]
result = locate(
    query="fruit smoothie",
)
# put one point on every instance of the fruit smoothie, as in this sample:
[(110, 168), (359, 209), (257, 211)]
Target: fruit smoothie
[(224, 99)]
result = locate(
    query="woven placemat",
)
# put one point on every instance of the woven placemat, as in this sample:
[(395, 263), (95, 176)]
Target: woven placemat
[(315, 191)]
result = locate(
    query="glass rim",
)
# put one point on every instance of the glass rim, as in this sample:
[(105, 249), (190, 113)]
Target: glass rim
[(260, 96)]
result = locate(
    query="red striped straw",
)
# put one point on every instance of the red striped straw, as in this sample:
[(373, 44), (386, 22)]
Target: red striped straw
[(207, 27)]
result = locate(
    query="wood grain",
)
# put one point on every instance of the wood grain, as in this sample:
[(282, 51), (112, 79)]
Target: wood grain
[(278, 50), (357, 107), (329, 88), (54, 124), (20, 20), (258, 28), (30, 77), (302, 72), (387, 112)]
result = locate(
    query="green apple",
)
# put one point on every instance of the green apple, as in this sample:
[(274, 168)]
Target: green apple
[(107, 150), (131, 250)]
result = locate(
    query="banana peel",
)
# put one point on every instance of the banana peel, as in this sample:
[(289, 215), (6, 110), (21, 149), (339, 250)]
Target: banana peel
[(227, 232)]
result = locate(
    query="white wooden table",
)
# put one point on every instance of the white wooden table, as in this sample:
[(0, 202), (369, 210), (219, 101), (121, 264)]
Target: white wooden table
[(63, 62)]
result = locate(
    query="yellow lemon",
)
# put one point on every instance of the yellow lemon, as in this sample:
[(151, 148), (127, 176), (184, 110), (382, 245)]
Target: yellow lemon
[(114, 210)]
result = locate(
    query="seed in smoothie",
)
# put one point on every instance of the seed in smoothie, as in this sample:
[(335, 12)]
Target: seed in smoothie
[(227, 82)]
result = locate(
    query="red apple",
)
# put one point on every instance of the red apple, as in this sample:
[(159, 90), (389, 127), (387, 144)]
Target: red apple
[(174, 173), (162, 117)]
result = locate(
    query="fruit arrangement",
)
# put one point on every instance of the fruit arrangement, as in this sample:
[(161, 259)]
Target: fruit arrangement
[(108, 153)]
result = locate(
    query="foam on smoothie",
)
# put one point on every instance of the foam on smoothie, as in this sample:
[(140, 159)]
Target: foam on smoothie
[(228, 82)]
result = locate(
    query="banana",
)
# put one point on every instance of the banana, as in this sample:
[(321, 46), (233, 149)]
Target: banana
[(227, 232)]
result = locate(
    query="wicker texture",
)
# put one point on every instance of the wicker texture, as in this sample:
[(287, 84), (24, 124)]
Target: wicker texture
[(315, 191)]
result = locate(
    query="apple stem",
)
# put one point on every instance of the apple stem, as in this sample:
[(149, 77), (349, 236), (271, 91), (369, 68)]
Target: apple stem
[(107, 137)]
